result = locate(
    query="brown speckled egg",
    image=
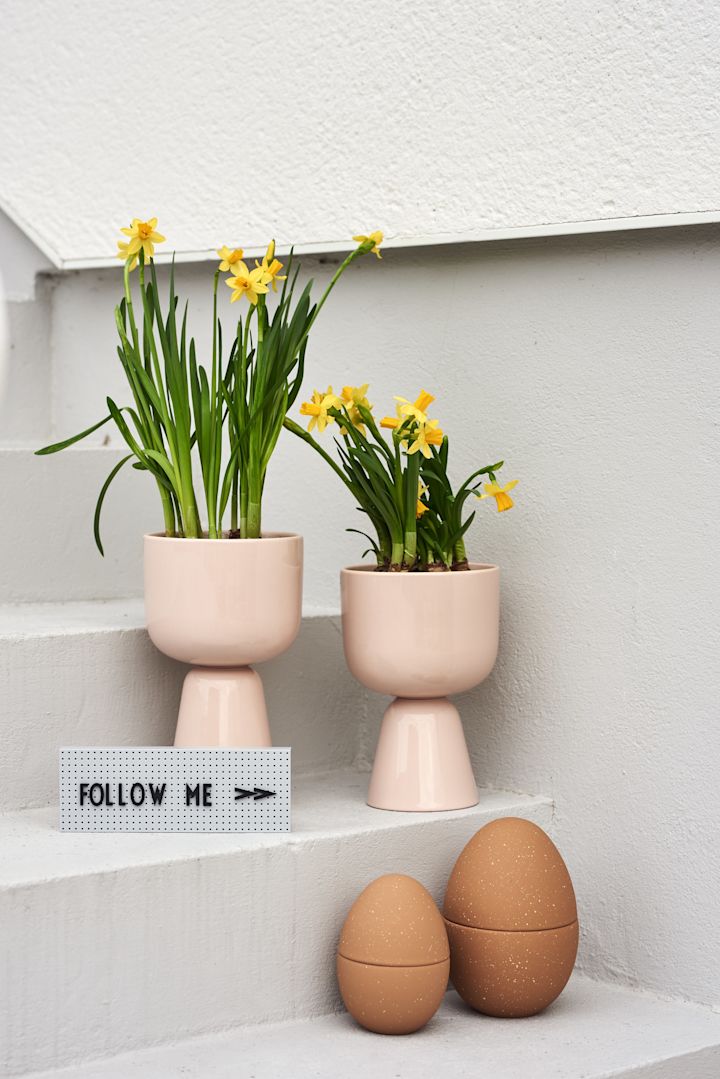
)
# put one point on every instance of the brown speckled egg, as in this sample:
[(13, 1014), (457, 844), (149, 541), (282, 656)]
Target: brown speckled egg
[(511, 919), (393, 957)]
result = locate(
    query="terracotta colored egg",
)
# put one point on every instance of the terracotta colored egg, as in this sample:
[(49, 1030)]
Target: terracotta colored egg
[(393, 957), (511, 919)]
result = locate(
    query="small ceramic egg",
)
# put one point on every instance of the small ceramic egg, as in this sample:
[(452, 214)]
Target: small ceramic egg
[(393, 957), (511, 919)]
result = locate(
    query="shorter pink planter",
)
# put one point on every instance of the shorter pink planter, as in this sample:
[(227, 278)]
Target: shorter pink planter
[(221, 605), (419, 637)]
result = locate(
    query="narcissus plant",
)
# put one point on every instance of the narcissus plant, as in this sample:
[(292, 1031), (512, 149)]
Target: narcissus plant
[(223, 414), (401, 484)]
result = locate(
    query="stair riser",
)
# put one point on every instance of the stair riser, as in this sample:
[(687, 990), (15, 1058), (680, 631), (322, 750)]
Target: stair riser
[(48, 552), (113, 961), (112, 687)]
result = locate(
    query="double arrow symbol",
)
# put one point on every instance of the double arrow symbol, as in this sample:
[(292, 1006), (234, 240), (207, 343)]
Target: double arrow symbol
[(256, 795)]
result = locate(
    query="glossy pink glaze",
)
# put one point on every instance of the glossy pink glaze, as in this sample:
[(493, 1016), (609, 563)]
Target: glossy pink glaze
[(222, 708), (421, 761), (420, 634), (223, 603)]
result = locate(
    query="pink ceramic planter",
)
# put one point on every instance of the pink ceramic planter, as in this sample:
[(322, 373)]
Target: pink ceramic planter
[(221, 605), (419, 637)]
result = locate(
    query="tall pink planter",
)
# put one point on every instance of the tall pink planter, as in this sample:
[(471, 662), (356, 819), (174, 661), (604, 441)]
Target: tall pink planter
[(419, 637), (221, 605)]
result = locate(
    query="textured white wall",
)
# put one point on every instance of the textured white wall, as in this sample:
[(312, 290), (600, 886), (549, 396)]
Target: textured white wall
[(311, 121), (591, 365)]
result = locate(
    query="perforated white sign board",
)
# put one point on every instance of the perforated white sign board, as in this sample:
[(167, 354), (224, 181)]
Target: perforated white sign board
[(163, 789)]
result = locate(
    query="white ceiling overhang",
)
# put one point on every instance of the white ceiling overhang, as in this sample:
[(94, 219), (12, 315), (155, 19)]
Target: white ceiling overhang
[(438, 123)]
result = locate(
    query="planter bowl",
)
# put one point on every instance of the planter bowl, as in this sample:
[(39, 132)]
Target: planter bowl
[(221, 605), (419, 637)]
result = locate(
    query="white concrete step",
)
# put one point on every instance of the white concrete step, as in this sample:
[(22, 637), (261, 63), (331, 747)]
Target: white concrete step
[(594, 1031), (113, 942), (87, 674)]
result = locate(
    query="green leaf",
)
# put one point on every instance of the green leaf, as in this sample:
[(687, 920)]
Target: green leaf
[(101, 499), (57, 446)]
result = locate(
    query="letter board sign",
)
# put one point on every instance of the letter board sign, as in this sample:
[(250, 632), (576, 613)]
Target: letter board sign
[(164, 789)]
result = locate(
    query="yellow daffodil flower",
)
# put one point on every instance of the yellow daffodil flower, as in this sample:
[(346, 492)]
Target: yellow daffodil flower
[(500, 494), (317, 409), (143, 237), (229, 257), (372, 242), (271, 267), (353, 396), (428, 434), (418, 410), (246, 282), (422, 507), (390, 422), (123, 254)]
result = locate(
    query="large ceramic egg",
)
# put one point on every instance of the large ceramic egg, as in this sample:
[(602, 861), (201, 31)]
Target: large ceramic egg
[(393, 957), (511, 920)]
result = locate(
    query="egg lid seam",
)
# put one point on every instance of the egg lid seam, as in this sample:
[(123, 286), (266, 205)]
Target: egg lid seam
[(493, 929), (395, 966)]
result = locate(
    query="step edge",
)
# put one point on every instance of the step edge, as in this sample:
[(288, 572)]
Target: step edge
[(512, 803)]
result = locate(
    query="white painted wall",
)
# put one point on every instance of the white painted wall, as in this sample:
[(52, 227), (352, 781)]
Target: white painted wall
[(20, 261), (312, 121), (591, 365)]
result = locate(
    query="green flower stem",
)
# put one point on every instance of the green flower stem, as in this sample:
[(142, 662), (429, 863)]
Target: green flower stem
[(369, 419), (234, 504), (253, 522), (185, 517), (412, 473), (169, 515), (211, 486), (296, 429), (357, 253), (244, 504), (397, 554), (168, 511), (459, 552), (129, 303), (256, 477)]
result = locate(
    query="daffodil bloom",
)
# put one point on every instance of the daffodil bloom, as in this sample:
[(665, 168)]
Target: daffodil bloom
[(500, 494), (422, 507), (428, 434), (353, 396), (123, 254), (390, 422), (317, 409), (271, 267), (229, 257), (372, 242), (143, 237), (418, 410), (246, 282)]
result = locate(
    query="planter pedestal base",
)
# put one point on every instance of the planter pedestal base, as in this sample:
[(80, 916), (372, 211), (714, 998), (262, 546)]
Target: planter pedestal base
[(223, 707), (422, 762)]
